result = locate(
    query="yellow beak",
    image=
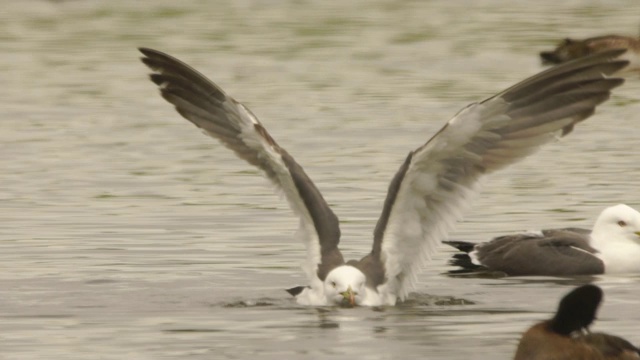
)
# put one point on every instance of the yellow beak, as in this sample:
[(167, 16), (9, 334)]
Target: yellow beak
[(349, 296)]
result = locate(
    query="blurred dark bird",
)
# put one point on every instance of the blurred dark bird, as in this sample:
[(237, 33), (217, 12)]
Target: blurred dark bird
[(566, 336), (571, 49)]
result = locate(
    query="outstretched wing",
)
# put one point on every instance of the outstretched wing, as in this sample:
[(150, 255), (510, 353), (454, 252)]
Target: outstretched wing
[(203, 103), (436, 182)]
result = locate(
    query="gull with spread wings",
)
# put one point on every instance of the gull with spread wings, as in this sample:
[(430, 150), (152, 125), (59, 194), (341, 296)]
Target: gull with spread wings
[(430, 191)]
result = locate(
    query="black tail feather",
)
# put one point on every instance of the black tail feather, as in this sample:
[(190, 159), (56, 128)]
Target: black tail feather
[(463, 260), (463, 246)]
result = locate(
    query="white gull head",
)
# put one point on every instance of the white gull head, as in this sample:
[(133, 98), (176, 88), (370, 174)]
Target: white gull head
[(616, 235), (345, 285)]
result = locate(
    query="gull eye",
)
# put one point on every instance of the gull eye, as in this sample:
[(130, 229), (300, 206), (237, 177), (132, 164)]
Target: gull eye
[(333, 283), (622, 223)]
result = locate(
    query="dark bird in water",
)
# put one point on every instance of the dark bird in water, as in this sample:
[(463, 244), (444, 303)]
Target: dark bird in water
[(566, 336), (571, 49)]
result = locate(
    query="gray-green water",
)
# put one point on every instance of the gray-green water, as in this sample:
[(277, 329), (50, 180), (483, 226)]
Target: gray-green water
[(127, 234)]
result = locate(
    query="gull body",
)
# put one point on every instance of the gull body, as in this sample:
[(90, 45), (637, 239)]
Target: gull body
[(430, 190), (612, 246)]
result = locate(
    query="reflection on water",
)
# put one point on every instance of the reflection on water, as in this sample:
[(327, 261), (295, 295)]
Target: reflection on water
[(126, 233)]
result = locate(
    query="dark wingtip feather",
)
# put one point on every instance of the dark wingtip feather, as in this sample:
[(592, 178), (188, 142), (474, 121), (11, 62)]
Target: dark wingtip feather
[(157, 79), (615, 82), (150, 63), (578, 118), (295, 291), (619, 65), (599, 65), (149, 56), (549, 58), (150, 52)]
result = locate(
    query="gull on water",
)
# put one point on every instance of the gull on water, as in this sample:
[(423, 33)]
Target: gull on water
[(429, 192), (612, 246)]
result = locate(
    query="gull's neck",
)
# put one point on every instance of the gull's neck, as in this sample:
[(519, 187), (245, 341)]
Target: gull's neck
[(619, 254)]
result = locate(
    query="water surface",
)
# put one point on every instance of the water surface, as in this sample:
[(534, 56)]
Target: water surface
[(128, 234)]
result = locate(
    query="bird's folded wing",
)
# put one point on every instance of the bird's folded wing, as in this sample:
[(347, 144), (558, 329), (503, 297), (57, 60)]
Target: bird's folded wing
[(556, 253)]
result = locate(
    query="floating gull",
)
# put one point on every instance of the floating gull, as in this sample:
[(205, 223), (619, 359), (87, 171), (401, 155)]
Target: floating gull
[(430, 190), (566, 335), (613, 246)]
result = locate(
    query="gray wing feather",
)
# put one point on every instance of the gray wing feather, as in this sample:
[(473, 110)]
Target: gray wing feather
[(441, 177), (556, 252), (207, 106)]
